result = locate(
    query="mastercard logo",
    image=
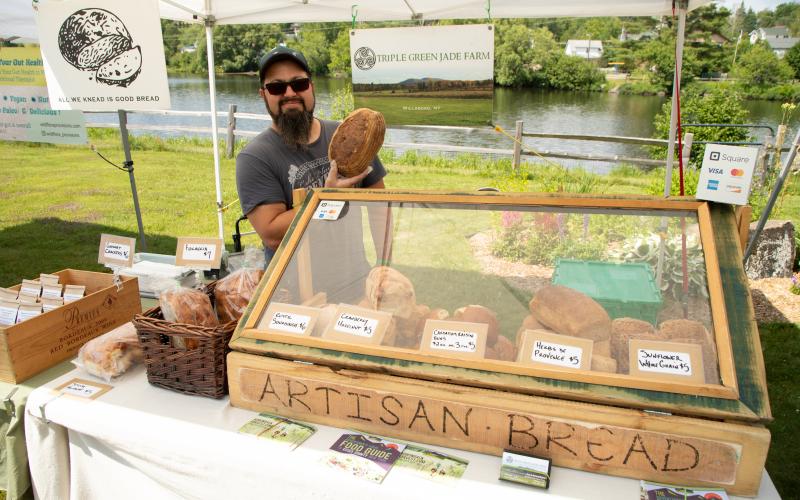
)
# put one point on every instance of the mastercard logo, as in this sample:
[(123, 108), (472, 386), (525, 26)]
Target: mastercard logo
[(737, 172)]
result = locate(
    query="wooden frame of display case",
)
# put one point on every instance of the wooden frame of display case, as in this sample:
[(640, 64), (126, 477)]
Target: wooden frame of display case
[(741, 394), (712, 436)]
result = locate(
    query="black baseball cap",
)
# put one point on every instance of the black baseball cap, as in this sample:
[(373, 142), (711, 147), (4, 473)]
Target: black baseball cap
[(281, 53)]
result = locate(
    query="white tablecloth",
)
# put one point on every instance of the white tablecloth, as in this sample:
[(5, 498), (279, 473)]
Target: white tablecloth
[(142, 442)]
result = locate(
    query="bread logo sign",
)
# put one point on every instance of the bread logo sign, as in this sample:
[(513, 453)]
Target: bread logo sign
[(96, 40)]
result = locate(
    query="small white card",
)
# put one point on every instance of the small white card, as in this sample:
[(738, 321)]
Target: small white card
[(726, 173), (83, 389), (454, 340), (31, 287), (28, 311), (8, 312), (671, 362), (547, 349), (353, 324), (357, 325), (289, 322), (116, 251), (51, 291), (24, 298), (73, 292), (48, 279), (49, 304), (666, 360), (557, 354), (199, 253), (329, 210)]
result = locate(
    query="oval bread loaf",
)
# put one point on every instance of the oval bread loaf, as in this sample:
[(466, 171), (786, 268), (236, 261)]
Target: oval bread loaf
[(357, 140)]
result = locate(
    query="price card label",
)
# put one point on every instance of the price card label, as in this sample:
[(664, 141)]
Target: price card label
[(556, 354), (329, 210), (83, 389), (353, 324), (546, 349), (116, 251), (454, 340), (289, 322), (199, 253), (458, 339), (666, 360), (281, 318), (357, 324)]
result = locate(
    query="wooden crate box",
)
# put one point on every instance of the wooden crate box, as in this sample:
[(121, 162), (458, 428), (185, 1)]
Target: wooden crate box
[(38, 343)]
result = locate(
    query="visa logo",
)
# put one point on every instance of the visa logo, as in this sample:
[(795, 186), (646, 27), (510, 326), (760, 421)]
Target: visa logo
[(715, 170), (713, 185)]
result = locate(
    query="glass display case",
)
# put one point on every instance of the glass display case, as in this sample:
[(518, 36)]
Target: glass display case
[(620, 292), (488, 321)]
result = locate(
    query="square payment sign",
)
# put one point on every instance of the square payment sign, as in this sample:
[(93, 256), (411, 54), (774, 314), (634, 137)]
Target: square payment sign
[(726, 174)]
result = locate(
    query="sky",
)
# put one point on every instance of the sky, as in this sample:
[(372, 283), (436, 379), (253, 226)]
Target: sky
[(756, 5)]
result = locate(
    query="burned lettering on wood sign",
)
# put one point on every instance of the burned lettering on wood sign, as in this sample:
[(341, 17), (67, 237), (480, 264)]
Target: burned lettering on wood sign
[(568, 441)]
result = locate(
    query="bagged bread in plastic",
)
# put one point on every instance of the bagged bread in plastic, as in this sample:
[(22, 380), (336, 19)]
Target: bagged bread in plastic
[(187, 305), (112, 353), (233, 292)]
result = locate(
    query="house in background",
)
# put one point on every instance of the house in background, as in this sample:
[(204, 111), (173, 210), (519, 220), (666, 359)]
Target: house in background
[(778, 38), (625, 36), (588, 49)]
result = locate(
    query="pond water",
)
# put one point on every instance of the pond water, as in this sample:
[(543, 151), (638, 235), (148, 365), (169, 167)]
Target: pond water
[(595, 113)]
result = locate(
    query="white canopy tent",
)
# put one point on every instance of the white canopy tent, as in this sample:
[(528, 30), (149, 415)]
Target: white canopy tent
[(16, 20)]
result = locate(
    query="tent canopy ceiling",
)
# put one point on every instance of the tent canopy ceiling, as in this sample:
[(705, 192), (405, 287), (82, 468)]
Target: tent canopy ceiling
[(280, 11), (16, 16)]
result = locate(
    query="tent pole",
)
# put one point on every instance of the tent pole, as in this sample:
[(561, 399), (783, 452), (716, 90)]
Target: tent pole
[(126, 146), (676, 88), (212, 90)]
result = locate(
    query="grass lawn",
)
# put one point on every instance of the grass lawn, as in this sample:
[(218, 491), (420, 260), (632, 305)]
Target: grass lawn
[(57, 200)]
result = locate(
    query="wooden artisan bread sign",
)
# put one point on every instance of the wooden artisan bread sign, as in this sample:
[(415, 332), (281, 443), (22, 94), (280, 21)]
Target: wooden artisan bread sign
[(591, 437), (356, 142)]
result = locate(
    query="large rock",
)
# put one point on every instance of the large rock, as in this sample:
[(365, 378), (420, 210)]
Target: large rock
[(773, 254)]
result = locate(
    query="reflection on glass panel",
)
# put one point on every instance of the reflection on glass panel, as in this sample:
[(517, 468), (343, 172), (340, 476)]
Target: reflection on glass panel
[(605, 290)]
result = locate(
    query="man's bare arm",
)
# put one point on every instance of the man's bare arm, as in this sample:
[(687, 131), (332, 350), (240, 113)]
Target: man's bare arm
[(271, 222)]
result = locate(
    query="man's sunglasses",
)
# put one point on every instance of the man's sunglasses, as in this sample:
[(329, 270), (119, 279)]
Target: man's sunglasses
[(279, 88)]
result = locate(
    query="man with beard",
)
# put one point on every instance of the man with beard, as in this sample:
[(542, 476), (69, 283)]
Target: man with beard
[(292, 154)]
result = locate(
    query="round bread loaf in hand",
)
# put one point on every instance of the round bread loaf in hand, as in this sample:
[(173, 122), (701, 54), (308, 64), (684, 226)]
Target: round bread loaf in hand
[(357, 140)]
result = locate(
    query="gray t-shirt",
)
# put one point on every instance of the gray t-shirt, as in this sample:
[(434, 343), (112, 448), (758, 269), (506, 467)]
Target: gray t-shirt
[(267, 171)]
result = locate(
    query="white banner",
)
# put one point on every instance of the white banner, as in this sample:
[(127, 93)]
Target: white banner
[(25, 113), (103, 55), (429, 75)]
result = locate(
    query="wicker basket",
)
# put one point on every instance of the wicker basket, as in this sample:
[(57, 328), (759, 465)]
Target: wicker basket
[(200, 371)]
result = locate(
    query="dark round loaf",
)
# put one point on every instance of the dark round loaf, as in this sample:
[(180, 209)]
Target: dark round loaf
[(357, 140)]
